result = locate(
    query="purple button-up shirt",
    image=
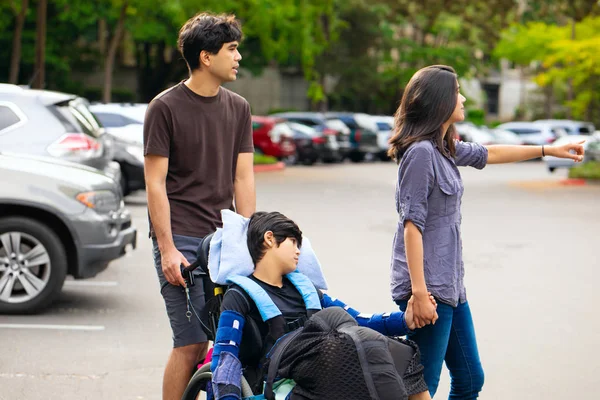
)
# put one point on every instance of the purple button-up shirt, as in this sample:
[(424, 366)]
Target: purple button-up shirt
[(429, 193)]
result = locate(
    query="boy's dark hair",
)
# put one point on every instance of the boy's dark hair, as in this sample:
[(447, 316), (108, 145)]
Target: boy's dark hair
[(207, 32), (260, 223)]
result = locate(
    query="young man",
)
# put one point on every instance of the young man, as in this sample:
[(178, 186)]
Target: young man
[(198, 158), (273, 243)]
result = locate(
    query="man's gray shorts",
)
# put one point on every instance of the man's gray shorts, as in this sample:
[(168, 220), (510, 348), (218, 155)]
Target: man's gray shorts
[(185, 332)]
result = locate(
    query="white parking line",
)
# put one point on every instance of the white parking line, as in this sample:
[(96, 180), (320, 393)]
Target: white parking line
[(92, 283), (54, 327)]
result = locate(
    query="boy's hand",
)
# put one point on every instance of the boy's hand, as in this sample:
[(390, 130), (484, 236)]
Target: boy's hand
[(409, 316)]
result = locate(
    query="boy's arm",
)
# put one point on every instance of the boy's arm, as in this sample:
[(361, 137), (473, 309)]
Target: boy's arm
[(225, 364), (388, 324)]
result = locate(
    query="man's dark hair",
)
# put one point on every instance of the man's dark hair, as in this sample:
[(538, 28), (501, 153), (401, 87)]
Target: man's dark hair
[(206, 32), (260, 223)]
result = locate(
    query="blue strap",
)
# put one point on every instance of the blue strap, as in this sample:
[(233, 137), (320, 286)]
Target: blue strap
[(263, 302), (387, 324), (333, 302), (229, 336), (306, 289)]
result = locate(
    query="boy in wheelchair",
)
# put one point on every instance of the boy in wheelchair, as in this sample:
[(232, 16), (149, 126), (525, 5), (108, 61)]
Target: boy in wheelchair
[(260, 309)]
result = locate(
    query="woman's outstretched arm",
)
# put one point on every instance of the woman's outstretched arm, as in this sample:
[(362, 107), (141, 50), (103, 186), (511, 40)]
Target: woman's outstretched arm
[(501, 154)]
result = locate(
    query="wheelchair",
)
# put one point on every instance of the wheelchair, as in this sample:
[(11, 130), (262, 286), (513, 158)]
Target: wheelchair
[(252, 385), (209, 319)]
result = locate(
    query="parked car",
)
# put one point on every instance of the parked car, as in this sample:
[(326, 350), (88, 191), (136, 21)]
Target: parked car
[(553, 163), (502, 136), (56, 218), (273, 137), (570, 127), (363, 134), (124, 123), (46, 123), (533, 133), (385, 126), (313, 146), (468, 132), (332, 126)]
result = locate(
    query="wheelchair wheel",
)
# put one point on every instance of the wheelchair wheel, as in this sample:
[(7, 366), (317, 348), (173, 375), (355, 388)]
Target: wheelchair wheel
[(201, 378)]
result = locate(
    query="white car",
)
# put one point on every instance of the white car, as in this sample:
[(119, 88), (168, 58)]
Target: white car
[(125, 121), (505, 137), (468, 132), (536, 133), (553, 163), (385, 127)]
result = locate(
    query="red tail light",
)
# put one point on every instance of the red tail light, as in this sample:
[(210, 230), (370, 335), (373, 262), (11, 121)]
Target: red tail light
[(319, 140), (357, 135), (75, 144)]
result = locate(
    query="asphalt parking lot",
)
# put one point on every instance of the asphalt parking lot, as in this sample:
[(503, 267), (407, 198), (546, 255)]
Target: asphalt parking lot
[(530, 255)]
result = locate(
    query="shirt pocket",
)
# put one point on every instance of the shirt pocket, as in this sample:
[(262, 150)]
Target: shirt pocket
[(451, 190)]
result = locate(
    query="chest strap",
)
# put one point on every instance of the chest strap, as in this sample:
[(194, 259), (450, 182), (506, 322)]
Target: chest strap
[(264, 303)]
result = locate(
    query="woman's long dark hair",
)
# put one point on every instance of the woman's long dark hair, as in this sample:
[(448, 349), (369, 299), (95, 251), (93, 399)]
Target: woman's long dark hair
[(428, 102)]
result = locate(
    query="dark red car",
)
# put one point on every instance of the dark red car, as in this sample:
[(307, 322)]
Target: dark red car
[(273, 137)]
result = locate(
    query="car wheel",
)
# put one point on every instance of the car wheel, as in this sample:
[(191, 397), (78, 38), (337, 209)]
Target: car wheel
[(124, 185), (551, 169), (33, 265), (357, 157), (309, 161)]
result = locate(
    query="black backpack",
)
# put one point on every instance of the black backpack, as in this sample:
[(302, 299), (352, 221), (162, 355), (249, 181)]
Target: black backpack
[(333, 358)]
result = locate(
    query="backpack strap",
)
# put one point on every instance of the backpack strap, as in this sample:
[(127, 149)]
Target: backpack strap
[(266, 306), (306, 288), (274, 357)]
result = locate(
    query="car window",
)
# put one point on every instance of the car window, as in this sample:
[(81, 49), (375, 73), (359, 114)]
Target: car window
[(111, 120), (76, 118), (8, 117), (384, 126), (524, 131), (585, 130), (304, 121), (349, 121), (256, 125)]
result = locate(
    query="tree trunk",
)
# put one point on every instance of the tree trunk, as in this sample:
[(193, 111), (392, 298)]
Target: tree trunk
[(570, 91), (523, 94), (39, 78), (109, 62), (549, 99), (15, 58), (102, 37)]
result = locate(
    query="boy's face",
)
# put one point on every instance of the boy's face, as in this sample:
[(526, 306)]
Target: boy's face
[(285, 256), (224, 65)]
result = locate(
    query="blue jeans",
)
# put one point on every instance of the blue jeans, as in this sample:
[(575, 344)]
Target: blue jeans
[(451, 339)]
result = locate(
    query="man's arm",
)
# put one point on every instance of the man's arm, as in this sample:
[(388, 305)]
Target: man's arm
[(244, 190), (155, 174)]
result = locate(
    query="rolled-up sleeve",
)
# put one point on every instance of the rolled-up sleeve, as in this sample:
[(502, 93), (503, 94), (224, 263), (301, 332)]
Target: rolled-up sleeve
[(415, 182), (471, 155)]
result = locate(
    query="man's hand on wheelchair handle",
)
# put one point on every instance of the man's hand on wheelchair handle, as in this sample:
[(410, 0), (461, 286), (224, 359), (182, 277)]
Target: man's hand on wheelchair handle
[(409, 316), (171, 260)]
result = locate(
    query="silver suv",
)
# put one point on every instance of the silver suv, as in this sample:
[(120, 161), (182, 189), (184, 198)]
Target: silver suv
[(47, 123), (56, 218)]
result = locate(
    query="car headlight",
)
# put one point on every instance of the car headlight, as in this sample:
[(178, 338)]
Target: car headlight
[(102, 201)]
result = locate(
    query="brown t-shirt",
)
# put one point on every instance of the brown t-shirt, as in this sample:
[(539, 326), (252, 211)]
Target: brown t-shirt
[(202, 137)]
